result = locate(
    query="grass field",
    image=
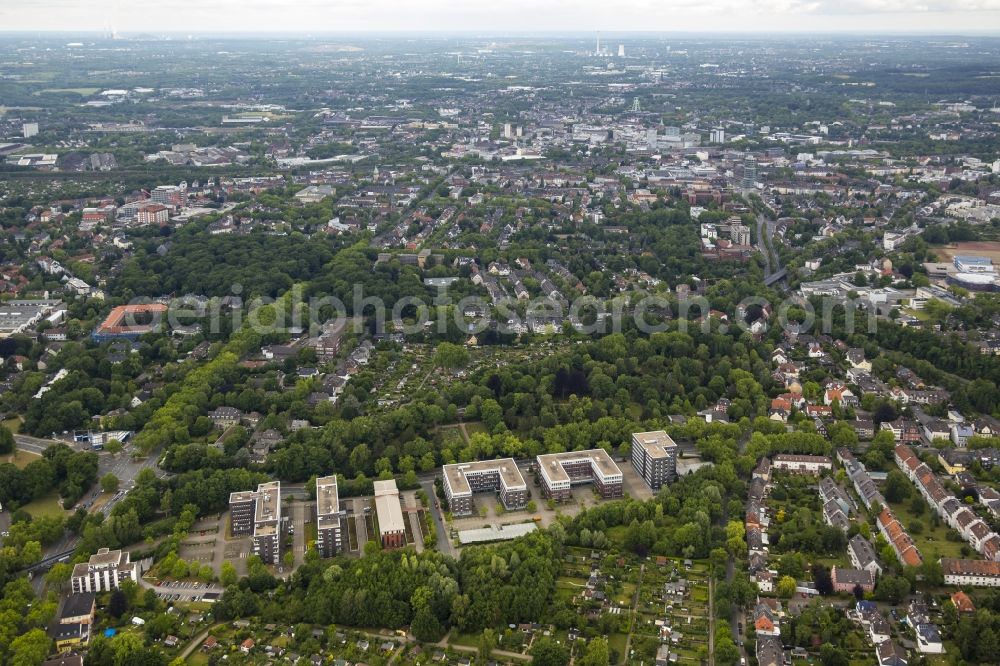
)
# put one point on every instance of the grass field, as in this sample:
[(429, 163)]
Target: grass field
[(475, 426), (13, 424), (20, 458), (45, 506), (932, 542), (85, 92)]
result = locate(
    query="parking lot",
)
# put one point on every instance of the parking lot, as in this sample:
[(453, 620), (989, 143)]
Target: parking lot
[(189, 591)]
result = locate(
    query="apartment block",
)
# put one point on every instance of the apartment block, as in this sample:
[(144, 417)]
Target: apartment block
[(463, 480), (802, 464), (559, 472), (329, 518), (258, 513), (971, 573), (105, 571), (654, 457)]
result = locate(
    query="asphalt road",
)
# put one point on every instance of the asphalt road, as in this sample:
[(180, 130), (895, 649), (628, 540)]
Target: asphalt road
[(33, 444)]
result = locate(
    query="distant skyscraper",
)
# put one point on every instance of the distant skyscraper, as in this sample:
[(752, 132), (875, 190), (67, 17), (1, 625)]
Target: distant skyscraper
[(29, 130), (749, 171), (651, 140), (636, 107), (621, 50), (717, 135)]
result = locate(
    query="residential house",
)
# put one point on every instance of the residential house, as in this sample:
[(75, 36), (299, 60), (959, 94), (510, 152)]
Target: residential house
[(847, 580)]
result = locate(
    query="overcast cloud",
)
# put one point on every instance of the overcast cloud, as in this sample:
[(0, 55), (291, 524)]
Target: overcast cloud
[(312, 16)]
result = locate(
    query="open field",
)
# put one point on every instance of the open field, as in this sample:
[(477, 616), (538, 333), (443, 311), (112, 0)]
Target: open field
[(989, 249), (20, 458), (45, 506), (85, 92)]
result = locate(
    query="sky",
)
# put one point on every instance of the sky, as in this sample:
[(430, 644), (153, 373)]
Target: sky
[(518, 16)]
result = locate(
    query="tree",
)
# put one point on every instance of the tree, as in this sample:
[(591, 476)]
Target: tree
[(227, 574), (487, 642), (117, 604), (822, 579), (6, 441), (897, 486), (30, 648), (546, 652), (831, 655), (109, 483), (786, 587), (180, 569), (892, 589), (425, 626), (113, 446), (598, 653), (59, 574), (451, 356)]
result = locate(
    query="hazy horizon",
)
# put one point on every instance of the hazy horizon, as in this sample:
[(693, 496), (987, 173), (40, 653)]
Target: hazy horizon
[(931, 17)]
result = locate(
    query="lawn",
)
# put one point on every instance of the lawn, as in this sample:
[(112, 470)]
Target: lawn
[(475, 426), (20, 458), (932, 542), (45, 506), (451, 436), (468, 640), (13, 424), (617, 644)]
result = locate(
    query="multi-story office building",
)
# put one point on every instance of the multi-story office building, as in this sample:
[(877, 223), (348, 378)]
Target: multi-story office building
[(559, 472), (389, 512), (654, 457), (258, 513), (241, 510), (105, 571), (170, 195), (463, 480), (329, 518)]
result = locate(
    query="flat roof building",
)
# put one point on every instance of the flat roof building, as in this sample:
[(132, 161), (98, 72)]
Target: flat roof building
[(19, 315), (559, 472), (463, 480), (494, 533), (258, 513), (973, 264), (389, 513), (105, 571), (329, 518), (654, 457)]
